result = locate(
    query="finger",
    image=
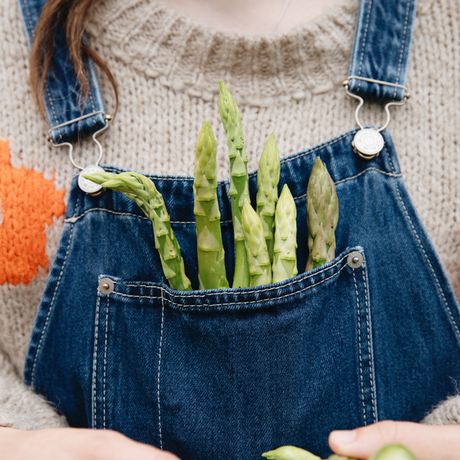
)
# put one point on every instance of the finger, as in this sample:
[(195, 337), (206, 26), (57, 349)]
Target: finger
[(115, 446), (426, 442)]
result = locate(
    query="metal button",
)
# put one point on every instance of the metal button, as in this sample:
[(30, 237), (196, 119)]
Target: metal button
[(106, 286), (355, 259)]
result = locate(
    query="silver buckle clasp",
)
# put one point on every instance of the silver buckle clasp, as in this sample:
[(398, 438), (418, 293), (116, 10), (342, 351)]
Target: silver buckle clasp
[(85, 185), (368, 142)]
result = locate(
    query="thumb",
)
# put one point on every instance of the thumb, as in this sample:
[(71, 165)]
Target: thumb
[(425, 442)]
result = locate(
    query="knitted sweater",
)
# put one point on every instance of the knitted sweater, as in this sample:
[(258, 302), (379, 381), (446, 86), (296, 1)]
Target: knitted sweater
[(168, 68)]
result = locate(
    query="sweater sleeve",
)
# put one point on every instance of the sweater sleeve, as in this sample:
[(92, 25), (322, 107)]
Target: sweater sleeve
[(446, 413), (20, 407)]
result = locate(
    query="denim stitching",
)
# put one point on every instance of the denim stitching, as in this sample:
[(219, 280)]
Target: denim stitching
[(51, 308), (245, 292), (369, 339), (364, 44), (96, 335), (359, 350), (192, 307), (426, 256), (159, 368), (74, 219), (52, 106), (32, 30), (366, 170), (105, 360), (402, 46)]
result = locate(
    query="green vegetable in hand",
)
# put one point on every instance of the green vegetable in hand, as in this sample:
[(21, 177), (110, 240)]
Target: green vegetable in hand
[(143, 192), (268, 176), (259, 261), (211, 255), (394, 452), (285, 263), (322, 216), (289, 453), (239, 189)]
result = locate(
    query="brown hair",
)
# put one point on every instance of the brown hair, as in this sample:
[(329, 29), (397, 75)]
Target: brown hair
[(71, 15)]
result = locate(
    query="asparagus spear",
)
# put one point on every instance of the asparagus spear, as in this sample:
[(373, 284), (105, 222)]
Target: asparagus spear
[(239, 190), (259, 261), (268, 176), (322, 216), (211, 254), (285, 263), (289, 453), (143, 192), (394, 452)]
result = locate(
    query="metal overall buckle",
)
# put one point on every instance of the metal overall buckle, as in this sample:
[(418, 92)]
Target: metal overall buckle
[(368, 142), (85, 185)]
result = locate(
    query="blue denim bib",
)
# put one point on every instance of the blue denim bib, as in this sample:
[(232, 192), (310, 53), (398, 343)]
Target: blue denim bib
[(229, 374)]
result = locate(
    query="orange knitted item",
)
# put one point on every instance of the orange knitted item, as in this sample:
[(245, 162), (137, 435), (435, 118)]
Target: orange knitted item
[(27, 202)]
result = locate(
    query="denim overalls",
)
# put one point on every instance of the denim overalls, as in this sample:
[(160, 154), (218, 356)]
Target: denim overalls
[(229, 374)]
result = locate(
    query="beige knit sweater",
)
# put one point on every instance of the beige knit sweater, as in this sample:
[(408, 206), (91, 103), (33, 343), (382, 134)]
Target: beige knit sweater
[(168, 68)]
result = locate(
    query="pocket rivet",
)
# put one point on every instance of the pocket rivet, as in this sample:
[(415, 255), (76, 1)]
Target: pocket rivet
[(355, 259), (106, 286)]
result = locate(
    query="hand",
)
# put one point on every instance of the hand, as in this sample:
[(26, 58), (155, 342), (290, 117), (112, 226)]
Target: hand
[(426, 442), (74, 444)]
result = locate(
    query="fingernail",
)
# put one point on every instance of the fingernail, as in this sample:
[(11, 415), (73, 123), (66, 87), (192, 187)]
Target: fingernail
[(343, 437)]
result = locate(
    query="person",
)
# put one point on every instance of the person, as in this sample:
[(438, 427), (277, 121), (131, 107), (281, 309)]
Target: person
[(167, 58)]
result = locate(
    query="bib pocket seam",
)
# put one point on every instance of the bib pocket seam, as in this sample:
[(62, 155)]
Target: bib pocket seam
[(365, 361)]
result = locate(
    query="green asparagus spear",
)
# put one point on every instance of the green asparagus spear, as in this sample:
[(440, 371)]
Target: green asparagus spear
[(143, 192), (239, 190), (285, 263), (211, 255), (289, 453), (322, 216), (268, 177), (259, 261)]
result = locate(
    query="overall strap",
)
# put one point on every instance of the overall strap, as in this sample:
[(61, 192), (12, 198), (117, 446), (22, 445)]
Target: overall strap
[(380, 55), (70, 117)]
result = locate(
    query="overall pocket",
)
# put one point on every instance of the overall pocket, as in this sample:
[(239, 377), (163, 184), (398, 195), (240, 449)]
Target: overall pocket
[(230, 374)]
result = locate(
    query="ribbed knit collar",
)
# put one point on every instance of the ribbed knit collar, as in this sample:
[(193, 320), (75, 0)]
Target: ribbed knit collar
[(155, 40)]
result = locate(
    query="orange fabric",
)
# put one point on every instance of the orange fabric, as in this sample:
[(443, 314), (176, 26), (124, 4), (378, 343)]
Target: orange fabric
[(27, 202)]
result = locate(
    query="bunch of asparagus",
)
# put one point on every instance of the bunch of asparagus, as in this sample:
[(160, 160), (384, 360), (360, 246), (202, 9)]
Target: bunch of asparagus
[(265, 238)]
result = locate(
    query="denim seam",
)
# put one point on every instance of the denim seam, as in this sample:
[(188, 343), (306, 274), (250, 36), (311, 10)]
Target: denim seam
[(403, 41), (32, 30), (192, 307), (50, 308), (104, 391), (75, 218), (159, 369), (364, 44), (369, 349), (52, 107), (366, 170), (94, 389), (245, 292), (426, 256), (359, 350)]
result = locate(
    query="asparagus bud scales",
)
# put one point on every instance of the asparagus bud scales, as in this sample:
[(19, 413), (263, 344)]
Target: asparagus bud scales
[(143, 192), (239, 189), (259, 261), (322, 216), (268, 176), (285, 259), (211, 255)]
